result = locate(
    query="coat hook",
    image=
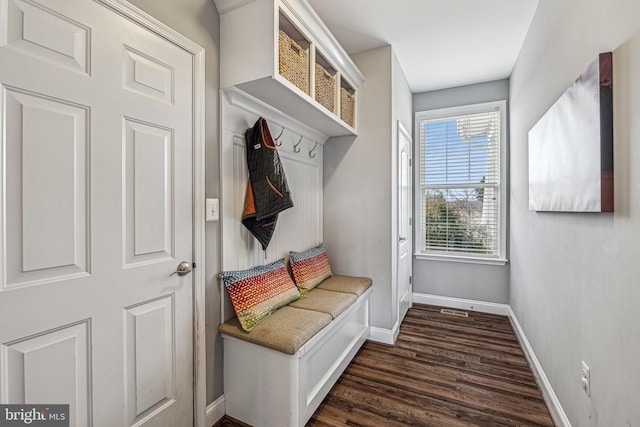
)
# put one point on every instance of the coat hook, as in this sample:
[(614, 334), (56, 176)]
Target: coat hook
[(295, 146), (311, 152), (278, 142)]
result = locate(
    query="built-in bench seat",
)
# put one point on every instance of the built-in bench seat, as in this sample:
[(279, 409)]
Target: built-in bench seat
[(279, 373), (348, 284)]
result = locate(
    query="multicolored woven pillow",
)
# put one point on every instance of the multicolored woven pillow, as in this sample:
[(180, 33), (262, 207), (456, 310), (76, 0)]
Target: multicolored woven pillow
[(309, 268), (259, 291)]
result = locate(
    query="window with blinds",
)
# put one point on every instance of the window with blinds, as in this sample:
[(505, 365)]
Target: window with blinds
[(460, 182)]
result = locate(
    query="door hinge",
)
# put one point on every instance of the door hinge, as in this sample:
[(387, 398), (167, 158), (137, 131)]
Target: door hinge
[(410, 162), (410, 222), (410, 279)]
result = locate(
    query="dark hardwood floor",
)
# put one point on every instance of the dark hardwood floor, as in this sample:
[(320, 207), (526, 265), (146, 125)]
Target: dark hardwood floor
[(443, 371)]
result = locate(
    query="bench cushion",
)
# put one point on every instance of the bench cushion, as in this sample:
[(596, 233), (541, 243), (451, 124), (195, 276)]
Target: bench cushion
[(330, 302), (348, 284), (285, 330)]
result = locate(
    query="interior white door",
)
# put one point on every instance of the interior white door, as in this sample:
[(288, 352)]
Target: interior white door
[(404, 221), (96, 213)]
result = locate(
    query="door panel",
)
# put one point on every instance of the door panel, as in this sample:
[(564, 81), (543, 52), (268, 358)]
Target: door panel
[(47, 35), (148, 168), (150, 364), (48, 182), (96, 184), (29, 375), (148, 76)]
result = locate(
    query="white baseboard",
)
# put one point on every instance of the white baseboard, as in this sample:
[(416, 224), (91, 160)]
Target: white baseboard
[(557, 413), (384, 336), (462, 304), (216, 410)]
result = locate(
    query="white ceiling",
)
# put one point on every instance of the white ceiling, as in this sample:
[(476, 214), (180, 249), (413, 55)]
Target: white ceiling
[(439, 43)]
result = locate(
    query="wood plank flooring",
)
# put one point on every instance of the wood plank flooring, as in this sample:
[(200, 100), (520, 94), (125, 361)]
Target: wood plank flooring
[(443, 371)]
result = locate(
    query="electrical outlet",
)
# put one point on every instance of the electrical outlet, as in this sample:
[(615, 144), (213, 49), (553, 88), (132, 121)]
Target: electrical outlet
[(586, 379), (213, 210)]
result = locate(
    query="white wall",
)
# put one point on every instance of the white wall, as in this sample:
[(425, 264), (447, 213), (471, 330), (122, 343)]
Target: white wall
[(453, 279), (402, 97), (574, 277), (401, 112), (359, 183), (199, 21), (357, 188), (496, 90)]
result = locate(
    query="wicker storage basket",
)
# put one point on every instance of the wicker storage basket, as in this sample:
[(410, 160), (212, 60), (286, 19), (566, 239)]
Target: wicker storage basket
[(325, 88), (348, 106), (294, 62)]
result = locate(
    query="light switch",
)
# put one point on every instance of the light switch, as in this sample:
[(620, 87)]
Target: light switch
[(213, 210)]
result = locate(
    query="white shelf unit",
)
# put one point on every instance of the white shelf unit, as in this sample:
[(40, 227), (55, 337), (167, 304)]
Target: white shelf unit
[(249, 59)]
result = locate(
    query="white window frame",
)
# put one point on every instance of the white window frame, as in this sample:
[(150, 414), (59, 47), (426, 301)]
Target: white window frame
[(442, 113)]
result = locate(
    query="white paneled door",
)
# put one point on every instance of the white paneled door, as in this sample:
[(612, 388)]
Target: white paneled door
[(404, 222), (96, 141)]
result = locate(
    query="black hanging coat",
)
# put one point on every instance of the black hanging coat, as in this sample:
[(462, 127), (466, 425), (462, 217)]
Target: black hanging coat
[(267, 190)]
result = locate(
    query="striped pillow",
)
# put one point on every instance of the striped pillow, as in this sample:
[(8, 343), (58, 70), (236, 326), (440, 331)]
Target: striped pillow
[(259, 291), (310, 268)]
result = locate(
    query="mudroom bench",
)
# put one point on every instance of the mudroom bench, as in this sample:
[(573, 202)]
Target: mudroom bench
[(279, 373)]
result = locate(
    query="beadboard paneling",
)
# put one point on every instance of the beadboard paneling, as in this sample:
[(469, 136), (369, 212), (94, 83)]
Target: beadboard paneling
[(298, 228)]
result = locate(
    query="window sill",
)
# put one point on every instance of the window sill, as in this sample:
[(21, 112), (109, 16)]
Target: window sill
[(461, 258)]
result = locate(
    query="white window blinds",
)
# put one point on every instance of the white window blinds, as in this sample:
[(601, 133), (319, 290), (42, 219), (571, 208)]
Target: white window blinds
[(460, 174)]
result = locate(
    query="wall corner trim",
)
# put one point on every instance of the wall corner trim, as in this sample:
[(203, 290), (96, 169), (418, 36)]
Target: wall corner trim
[(384, 336), (462, 304), (216, 410), (555, 408)]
